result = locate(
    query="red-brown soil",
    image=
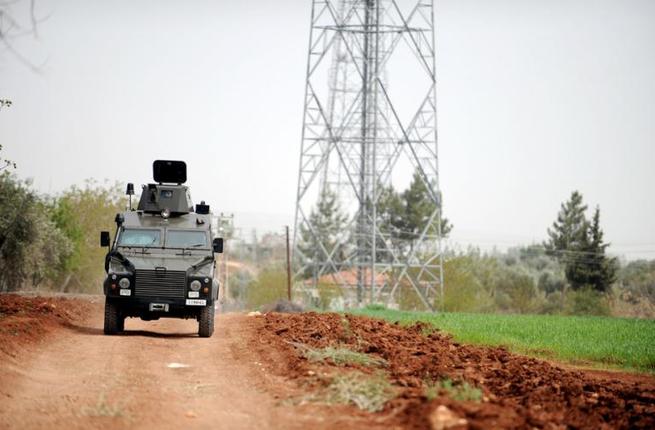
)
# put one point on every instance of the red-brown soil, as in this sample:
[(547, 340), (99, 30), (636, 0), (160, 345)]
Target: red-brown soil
[(26, 320), (64, 373), (519, 392), (58, 371)]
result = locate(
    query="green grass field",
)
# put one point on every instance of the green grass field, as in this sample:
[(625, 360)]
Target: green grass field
[(587, 341)]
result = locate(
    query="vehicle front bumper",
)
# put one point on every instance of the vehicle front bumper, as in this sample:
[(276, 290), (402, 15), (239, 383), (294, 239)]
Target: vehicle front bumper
[(160, 307)]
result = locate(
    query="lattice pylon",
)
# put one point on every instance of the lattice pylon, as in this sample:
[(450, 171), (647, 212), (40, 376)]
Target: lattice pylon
[(357, 137)]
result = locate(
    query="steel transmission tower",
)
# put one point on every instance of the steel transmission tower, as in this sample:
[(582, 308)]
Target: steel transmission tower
[(361, 133)]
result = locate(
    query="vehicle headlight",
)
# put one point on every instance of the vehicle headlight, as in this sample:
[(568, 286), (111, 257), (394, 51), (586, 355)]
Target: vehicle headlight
[(195, 285), (124, 283)]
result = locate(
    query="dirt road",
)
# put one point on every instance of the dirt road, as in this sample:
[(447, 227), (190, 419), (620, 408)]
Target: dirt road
[(59, 371), (158, 375)]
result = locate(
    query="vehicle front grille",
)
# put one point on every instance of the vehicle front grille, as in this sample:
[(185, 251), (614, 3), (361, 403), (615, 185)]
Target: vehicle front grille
[(156, 283)]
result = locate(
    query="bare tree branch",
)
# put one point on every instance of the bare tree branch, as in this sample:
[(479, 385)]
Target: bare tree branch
[(33, 18), (11, 28), (17, 55)]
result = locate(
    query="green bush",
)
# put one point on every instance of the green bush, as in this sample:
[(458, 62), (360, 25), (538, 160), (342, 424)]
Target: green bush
[(32, 247), (587, 301), (82, 213), (552, 304), (269, 286), (518, 293), (53, 242), (375, 307), (464, 292)]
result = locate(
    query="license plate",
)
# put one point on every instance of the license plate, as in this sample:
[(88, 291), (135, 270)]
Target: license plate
[(126, 292), (158, 307), (194, 294), (196, 302)]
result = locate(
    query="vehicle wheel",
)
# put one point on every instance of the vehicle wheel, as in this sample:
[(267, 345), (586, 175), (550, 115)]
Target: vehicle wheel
[(206, 321), (121, 323), (111, 317)]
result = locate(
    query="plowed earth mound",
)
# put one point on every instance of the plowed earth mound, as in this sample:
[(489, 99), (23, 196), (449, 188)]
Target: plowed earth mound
[(26, 320), (518, 392)]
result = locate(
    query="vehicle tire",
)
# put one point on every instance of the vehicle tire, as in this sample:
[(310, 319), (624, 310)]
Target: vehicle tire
[(206, 321), (111, 317), (121, 323)]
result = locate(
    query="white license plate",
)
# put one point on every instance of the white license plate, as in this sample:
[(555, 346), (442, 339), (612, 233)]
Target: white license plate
[(196, 302), (158, 307), (126, 292), (194, 294)]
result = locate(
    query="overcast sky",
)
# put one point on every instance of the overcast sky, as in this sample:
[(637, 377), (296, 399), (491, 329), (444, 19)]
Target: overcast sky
[(535, 98)]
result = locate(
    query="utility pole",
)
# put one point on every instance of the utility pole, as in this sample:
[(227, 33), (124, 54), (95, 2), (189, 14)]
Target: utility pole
[(225, 229), (362, 132)]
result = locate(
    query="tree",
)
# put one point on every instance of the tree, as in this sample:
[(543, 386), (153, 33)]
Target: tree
[(17, 231), (32, 248), (419, 207), (570, 227), (328, 222), (402, 217), (51, 249), (637, 287), (63, 215), (81, 213), (269, 285), (602, 269), (391, 223), (464, 291), (517, 292), (4, 163), (578, 245), (568, 240)]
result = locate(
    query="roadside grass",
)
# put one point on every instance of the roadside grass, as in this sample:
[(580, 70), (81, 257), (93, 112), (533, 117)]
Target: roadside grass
[(462, 391), (367, 392), (580, 340), (341, 356)]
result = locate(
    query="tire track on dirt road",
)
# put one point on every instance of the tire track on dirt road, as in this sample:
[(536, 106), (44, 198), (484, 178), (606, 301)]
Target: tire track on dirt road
[(80, 379)]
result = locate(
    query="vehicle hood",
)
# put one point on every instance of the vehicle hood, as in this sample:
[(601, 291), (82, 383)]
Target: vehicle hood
[(169, 261)]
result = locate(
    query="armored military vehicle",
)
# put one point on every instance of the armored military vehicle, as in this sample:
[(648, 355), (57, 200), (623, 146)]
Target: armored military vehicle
[(161, 260)]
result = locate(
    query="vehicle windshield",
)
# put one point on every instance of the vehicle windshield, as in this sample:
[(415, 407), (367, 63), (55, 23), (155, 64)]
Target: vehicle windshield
[(139, 237), (186, 239)]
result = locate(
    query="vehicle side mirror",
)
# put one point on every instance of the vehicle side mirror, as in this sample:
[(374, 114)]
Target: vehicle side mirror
[(105, 240), (217, 245)]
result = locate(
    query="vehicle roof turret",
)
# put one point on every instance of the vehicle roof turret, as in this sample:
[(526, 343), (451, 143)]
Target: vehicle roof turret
[(168, 196)]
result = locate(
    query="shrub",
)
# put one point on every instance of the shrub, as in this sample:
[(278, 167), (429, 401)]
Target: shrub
[(368, 393), (517, 292), (269, 286), (341, 355), (32, 247), (586, 301), (461, 391)]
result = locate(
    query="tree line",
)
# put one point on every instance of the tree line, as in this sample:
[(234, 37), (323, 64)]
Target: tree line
[(50, 242), (401, 218), (570, 272)]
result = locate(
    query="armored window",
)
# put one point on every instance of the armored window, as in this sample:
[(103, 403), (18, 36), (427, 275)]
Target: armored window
[(139, 237), (186, 239)]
